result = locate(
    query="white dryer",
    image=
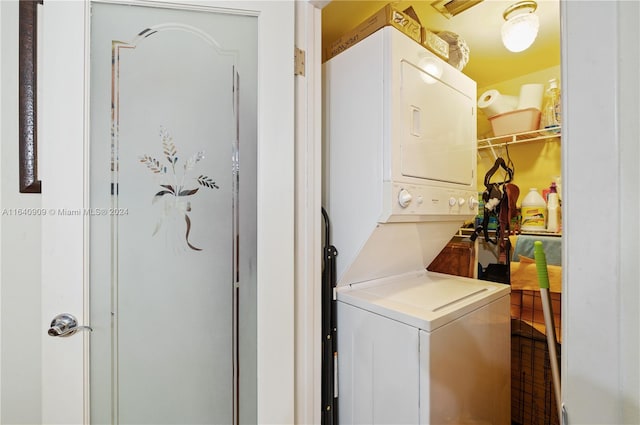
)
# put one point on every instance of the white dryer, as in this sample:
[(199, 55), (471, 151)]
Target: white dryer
[(400, 178)]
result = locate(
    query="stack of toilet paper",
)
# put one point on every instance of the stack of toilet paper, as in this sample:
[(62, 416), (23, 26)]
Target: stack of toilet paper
[(493, 103)]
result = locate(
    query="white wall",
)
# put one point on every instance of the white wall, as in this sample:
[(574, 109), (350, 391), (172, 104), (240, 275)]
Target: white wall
[(629, 120), (601, 183), (21, 327)]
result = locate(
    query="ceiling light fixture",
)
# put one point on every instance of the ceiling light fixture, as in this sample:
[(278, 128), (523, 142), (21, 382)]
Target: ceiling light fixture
[(521, 25)]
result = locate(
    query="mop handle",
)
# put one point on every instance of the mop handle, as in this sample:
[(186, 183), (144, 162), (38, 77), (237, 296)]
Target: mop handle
[(543, 281), (541, 265)]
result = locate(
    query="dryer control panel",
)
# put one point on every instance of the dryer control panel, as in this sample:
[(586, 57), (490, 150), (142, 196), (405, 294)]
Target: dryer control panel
[(407, 202)]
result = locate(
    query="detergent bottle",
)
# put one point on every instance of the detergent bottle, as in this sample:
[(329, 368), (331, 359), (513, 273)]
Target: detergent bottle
[(534, 212)]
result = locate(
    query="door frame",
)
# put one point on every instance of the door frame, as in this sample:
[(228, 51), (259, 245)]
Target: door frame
[(65, 284), (600, 294), (308, 203)]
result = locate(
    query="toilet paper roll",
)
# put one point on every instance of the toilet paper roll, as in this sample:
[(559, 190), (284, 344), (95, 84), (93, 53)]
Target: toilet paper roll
[(531, 96), (492, 102)]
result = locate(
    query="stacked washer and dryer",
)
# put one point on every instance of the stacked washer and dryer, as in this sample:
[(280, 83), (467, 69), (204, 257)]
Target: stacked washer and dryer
[(400, 178)]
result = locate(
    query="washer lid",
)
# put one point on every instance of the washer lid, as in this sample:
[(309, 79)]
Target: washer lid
[(425, 300)]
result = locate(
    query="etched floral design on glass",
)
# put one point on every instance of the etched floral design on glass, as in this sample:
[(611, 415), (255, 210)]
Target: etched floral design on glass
[(177, 185)]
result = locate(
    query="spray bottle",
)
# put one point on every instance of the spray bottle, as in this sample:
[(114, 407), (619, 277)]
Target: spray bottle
[(551, 114), (553, 209)]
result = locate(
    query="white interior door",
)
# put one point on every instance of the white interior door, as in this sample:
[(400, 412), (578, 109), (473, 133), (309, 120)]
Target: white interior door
[(107, 239), (170, 251)]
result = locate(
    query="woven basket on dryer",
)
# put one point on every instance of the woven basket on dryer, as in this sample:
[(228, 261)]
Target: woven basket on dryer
[(458, 49)]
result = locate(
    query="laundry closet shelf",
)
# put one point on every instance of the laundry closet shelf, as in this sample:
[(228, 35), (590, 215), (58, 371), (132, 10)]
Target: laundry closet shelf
[(516, 138), (468, 231)]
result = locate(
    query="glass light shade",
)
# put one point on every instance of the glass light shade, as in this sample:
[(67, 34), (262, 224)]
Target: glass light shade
[(520, 31)]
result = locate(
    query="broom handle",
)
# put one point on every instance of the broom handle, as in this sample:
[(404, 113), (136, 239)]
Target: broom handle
[(543, 281)]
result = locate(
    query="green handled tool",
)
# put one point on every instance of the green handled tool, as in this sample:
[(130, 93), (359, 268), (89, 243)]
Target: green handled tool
[(543, 281)]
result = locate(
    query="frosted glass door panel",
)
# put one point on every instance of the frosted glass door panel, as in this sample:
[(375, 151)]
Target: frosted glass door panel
[(173, 215)]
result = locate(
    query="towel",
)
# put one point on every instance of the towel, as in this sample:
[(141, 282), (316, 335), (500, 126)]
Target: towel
[(524, 275), (552, 248)]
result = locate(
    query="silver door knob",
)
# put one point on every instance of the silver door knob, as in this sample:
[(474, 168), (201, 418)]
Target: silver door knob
[(65, 324)]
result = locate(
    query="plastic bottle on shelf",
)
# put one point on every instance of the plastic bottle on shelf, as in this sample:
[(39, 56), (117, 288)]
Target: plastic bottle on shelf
[(551, 110), (553, 210), (555, 187), (534, 212), (558, 180)]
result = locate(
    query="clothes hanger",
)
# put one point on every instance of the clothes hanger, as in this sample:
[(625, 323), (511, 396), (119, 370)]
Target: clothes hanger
[(500, 163), (493, 193), (492, 196)]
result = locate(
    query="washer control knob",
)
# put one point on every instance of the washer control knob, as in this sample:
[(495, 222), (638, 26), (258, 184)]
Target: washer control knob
[(452, 201), (461, 201), (473, 202), (404, 198)]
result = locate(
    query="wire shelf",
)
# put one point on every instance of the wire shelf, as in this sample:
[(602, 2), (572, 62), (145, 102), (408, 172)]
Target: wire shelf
[(516, 138)]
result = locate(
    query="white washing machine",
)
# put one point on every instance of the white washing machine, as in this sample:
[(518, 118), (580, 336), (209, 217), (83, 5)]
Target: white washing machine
[(424, 348), (400, 178)]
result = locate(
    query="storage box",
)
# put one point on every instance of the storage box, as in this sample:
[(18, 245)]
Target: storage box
[(435, 44), (388, 15), (519, 121)]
